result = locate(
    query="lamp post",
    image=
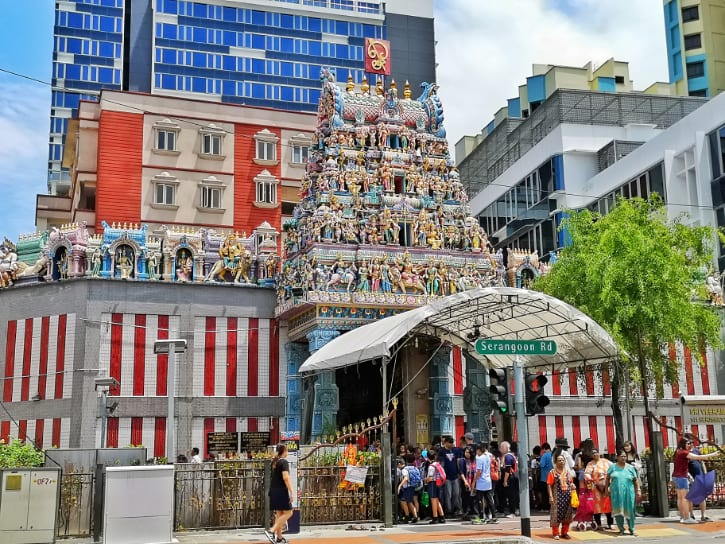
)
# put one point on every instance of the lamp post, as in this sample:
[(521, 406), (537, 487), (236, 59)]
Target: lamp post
[(104, 384), (170, 347)]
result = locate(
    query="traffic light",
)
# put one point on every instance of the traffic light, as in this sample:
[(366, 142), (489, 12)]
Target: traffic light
[(499, 388), (536, 399)]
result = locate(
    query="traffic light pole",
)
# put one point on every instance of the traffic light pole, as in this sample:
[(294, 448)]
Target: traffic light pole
[(523, 432)]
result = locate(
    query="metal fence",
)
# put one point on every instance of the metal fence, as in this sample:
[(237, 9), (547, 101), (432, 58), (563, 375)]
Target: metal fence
[(716, 499)]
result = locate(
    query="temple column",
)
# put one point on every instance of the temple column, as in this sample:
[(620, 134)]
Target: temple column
[(296, 355), (441, 420), (477, 400), (326, 394)]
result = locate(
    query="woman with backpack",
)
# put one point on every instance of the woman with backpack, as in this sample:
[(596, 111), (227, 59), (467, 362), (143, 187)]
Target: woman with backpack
[(434, 481)]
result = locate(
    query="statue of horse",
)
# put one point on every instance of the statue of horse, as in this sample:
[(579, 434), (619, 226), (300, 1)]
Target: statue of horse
[(341, 278), (412, 282)]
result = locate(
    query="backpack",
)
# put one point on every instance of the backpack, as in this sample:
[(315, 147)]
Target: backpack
[(440, 478), (414, 479), (495, 469)]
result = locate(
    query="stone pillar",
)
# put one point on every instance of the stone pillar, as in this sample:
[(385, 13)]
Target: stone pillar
[(441, 420), (327, 396), (477, 400), (296, 355)]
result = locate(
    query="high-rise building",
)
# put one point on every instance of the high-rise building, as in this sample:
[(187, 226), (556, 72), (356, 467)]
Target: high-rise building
[(695, 31), (263, 53)]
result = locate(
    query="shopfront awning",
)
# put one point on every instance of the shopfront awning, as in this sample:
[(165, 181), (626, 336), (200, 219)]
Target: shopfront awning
[(500, 313)]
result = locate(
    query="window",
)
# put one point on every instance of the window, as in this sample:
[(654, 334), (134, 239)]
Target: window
[(266, 148), (212, 138), (300, 154), (166, 134), (266, 190), (164, 190), (695, 69), (211, 192), (701, 92), (211, 197), (690, 14), (619, 80), (693, 41), (166, 140), (300, 145)]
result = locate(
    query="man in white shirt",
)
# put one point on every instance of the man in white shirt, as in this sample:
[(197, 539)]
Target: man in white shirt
[(195, 458), (484, 486)]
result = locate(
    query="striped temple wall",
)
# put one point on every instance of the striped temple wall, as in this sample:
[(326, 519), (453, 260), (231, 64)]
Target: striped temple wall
[(240, 357)]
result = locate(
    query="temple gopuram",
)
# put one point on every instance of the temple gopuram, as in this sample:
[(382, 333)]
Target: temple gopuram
[(382, 227)]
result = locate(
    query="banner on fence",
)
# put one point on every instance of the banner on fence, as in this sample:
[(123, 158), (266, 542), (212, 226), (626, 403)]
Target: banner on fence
[(356, 475)]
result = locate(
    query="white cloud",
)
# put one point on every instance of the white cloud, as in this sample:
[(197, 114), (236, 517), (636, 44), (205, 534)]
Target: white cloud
[(486, 49), (24, 124)]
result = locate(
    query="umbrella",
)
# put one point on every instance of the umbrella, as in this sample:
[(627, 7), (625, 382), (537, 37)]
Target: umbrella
[(701, 488)]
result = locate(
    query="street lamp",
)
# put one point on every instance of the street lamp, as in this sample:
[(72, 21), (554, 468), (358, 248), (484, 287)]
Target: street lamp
[(170, 347), (104, 384)]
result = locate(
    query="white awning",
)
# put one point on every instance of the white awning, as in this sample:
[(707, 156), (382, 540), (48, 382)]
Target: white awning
[(501, 313)]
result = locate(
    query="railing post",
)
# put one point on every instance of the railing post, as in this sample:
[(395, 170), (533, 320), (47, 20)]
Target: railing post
[(98, 498), (267, 481)]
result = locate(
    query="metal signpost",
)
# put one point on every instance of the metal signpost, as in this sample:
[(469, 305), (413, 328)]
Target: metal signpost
[(517, 348)]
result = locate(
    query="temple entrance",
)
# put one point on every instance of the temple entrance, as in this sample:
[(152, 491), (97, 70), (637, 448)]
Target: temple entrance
[(361, 395)]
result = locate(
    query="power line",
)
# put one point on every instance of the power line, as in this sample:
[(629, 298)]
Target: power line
[(288, 145)]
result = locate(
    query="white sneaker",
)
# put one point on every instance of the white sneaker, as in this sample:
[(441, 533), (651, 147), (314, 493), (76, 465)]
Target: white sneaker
[(688, 521)]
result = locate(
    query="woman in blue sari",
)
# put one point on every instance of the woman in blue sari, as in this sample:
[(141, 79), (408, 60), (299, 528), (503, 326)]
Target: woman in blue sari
[(623, 487)]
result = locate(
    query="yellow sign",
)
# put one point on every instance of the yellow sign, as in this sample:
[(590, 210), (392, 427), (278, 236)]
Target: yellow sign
[(705, 415), (422, 427)]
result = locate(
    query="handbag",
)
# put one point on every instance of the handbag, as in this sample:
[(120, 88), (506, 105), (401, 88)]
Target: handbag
[(574, 499)]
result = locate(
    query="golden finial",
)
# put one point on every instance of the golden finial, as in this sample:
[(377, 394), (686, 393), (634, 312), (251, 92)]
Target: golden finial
[(407, 93), (394, 87), (368, 422), (350, 84), (357, 427), (379, 89), (365, 87), (395, 403)]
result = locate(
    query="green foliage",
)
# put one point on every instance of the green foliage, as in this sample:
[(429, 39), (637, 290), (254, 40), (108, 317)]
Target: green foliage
[(636, 273), (18, 454)]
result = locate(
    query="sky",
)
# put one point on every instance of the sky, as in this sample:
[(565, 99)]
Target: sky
[(485, 50)]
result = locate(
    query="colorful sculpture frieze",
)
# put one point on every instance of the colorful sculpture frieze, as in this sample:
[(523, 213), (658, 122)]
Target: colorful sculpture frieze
[(133, 252), (383, 215)]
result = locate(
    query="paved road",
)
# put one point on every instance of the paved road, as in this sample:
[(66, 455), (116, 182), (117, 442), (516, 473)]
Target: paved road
[(651, 530)]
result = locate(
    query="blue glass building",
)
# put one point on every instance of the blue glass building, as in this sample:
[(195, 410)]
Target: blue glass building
[(264, 53)]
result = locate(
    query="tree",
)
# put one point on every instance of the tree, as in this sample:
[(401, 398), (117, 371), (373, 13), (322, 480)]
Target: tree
[(641, 277), (18, 454)]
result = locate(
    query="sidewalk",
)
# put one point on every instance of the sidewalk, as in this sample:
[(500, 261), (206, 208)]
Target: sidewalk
[(507, 531)]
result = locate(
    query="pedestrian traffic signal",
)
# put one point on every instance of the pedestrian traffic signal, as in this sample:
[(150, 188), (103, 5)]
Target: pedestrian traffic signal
[(499, 388), (536, 399)]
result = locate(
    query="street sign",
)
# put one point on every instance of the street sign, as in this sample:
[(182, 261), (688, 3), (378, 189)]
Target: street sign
[(515, 347)]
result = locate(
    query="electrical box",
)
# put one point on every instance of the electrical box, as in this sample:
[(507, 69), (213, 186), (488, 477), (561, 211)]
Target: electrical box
[(139, 505), (29, 505)]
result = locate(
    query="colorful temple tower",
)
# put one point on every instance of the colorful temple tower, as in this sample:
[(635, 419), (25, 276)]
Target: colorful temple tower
[(382, 227)]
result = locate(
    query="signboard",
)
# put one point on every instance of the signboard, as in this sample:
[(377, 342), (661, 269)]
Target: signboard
[(515, 347), (356, 475), (291, 439), (254, 441), (703, 410), (222, 443), (377, 56)]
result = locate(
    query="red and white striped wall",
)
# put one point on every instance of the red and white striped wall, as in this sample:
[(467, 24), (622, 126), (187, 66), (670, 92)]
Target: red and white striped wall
[(231, 357), (38, 361), (694, 379)]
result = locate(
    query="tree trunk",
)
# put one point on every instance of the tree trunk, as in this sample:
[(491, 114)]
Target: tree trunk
[(616, 405)]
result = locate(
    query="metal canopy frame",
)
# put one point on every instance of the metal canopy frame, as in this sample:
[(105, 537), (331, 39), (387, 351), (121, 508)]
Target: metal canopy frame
[(486, 313)]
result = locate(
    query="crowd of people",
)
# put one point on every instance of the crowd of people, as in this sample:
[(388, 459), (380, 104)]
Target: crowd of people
[(479, 482)]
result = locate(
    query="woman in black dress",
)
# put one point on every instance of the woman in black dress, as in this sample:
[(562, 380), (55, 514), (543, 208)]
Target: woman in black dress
[(281, 495)]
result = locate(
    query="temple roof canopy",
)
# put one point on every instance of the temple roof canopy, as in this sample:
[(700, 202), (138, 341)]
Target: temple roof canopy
[(493, 313)]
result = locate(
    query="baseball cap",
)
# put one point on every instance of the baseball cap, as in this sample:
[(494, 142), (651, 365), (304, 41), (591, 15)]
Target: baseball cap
[(468, 436)]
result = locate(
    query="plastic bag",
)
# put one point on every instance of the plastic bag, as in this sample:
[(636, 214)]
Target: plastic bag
[(574, 499), (425, 499)]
